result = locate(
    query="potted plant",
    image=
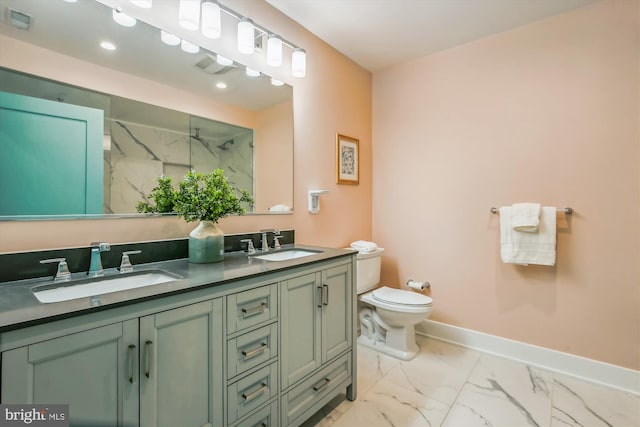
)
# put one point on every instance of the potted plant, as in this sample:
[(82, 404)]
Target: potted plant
[(200, 197)]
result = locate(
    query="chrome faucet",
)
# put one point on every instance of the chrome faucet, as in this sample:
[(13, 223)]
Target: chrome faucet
[(125, 262), (265, 240), (250, 248), (62, 272), (276, 239), (95, 266)]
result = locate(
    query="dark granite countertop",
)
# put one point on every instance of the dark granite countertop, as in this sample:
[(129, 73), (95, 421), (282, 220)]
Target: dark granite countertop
[(20, 308)]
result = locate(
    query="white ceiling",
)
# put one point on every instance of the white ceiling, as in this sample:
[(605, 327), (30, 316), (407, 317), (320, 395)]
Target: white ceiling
[(379, 33)]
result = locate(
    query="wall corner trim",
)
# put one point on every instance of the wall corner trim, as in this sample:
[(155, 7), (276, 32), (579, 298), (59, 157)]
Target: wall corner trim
[(609, 375)]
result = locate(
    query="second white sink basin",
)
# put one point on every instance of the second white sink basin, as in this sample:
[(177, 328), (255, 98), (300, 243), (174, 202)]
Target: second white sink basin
[(286, 255), (103, 285)]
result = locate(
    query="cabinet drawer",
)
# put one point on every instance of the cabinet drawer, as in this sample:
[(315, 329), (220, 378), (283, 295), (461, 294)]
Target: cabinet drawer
[(251, 349), (249, 308), (303, 396), (252, 391), (265, 417)]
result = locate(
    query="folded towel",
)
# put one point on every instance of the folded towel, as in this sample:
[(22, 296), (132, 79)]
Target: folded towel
[(280, 208), (364, 246), (528, 248), (525, 217)]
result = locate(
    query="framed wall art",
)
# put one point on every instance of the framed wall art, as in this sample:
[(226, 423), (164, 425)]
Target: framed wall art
[(347, 160)]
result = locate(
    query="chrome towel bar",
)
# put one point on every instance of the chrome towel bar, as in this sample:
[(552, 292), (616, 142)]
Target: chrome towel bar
[(567, 211)]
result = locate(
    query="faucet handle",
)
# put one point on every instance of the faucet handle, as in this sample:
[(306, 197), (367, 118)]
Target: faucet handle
[(101, 246), (62, 273), (250, 248), (276, 240), (125, 264)]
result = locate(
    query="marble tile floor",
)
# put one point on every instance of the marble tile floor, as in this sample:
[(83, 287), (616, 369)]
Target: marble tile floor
[(450, 386)]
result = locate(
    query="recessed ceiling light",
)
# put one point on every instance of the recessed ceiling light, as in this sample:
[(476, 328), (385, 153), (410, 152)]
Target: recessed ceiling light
[(221, 85), (276, 82), (143, 3), (223, 60), (170, 39), (252, 73), (107, 45), (122, 18), (189, 47)]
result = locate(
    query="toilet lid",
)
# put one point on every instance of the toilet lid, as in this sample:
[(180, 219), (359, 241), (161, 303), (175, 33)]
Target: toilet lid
[(401, 297)]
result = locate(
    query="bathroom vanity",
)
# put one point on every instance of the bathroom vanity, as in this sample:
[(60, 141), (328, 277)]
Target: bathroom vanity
[(243, 342)]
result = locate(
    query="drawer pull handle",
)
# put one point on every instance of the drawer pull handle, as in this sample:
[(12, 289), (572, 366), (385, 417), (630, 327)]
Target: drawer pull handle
[(131, 356), (323, 385), (321, 297), (258, 309), (249, 354), (147, 350), (325, 295), (249, 397)]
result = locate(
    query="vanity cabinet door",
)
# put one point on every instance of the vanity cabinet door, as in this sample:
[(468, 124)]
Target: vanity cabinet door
[(337, 306), (181, 366), (301, 307), (94, 372)]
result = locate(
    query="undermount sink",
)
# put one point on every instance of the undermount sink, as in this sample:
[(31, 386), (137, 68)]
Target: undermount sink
[(286, 255), (65, 291)]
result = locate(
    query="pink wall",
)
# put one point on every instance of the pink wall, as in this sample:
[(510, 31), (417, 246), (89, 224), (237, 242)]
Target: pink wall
[(548, 112), (335, 96)]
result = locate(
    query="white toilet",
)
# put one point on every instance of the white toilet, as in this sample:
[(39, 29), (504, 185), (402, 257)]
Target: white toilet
[(387, 316)]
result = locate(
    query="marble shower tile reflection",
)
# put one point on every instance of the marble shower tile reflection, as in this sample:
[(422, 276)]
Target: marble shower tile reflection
[(500, 392), (438, 371), (387, 404), (581, 403)]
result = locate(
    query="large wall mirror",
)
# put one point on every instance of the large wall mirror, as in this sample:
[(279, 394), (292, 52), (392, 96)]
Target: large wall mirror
[(141, 141)]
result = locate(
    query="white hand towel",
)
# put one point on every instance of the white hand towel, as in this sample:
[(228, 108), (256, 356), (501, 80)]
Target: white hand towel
[(280, 208), (364, 246), (525, 217), (528, 248)]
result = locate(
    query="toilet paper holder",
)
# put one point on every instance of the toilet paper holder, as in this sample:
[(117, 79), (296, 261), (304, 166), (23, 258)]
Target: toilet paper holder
[(421, 286)]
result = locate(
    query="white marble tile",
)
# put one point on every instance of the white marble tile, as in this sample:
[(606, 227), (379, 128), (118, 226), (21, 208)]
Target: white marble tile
[(372, 366), (439, 371), (330, 413), (581, 403), (387, 404), (500, 392)]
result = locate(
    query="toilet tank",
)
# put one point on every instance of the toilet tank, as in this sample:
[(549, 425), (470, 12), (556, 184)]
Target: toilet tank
[(368, 270)]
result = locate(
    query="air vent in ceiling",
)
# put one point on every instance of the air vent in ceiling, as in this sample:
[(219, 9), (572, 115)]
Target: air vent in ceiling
[(18, 19), (209, 65)]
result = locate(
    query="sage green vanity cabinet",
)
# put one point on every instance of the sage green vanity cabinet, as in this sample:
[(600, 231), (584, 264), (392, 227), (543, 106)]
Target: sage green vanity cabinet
[(157, 370), (180, 360), (268, 350), (94, 371), (317, 339)]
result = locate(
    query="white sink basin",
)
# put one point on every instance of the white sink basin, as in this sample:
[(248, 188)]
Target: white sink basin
[(99, 286), (286, 255)]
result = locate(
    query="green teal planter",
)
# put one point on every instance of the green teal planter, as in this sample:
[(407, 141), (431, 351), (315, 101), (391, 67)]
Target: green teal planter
[(206, 243)]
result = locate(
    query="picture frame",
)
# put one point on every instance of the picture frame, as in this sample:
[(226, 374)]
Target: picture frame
[(347, 160)]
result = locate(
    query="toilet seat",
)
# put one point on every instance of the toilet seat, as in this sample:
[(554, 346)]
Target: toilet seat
[(401, 297)]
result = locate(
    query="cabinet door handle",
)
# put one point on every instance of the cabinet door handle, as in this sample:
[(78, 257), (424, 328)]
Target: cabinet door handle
[(249, 397), (322, 385), (249, 354), (325, 294), (320, 297), (131, 355), (258, 309), (147, 352)]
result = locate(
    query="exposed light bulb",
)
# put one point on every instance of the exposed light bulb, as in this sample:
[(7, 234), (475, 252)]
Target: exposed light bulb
[(170, 39), (146, 4), (189, 14), (276, 82), (299, 63), (222, 60), (251, 72), (246, 36), (211, 21), (274, 50), (122, 18), (189, 47)]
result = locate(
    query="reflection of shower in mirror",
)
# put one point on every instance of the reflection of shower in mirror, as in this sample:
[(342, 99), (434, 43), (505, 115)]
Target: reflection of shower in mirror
[(223, 146)]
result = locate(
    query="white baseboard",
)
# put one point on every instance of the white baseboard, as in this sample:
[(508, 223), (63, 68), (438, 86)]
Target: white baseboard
[(603, 373)]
